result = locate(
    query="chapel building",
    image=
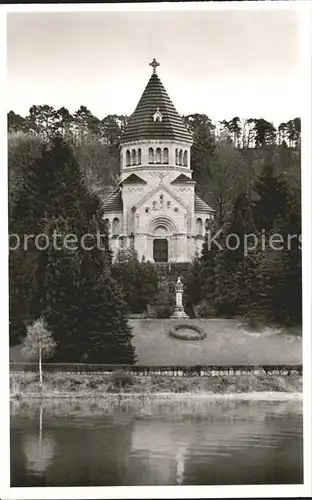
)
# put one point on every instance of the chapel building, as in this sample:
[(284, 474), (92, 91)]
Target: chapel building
[(155, 208)]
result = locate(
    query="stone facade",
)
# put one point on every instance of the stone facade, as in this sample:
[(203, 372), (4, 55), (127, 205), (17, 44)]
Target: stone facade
[(155, 208)]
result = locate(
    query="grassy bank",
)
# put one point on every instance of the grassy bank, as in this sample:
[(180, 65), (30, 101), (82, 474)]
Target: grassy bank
[(227, 343), (26, 385)]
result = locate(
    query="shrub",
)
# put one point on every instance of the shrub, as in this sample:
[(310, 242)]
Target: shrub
[(122, 380), (138, 279), (163, 304), (204, 310)]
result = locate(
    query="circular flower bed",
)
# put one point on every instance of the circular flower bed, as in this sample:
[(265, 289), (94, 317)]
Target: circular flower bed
[(186, 331)]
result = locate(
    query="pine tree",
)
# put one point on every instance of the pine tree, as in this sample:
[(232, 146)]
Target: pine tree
[(53, 189), (229, 281), (207, 272), (193, 289), (271, 200), (288, 307), (226, 287), (85, 311), (278, 211), (103, 334), (253, 299)]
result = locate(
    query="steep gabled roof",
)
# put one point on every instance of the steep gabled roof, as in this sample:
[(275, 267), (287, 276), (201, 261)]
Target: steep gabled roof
[(181, 179), (201, 206), (141, 124), (133, 179), (114, 203)]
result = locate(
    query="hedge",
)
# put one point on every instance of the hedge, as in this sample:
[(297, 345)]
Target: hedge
[(174, 332), (173, 370)]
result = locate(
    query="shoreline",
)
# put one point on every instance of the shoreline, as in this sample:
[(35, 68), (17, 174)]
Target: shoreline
[(255, 395), (116, 386)]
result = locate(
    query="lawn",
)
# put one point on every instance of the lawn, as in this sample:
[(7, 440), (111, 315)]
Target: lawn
[(226, 343)]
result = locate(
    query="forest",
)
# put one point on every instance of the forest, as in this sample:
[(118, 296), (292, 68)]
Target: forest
[(62, 165)]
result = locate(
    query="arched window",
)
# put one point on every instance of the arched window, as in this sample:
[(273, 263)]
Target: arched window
[(116, 226), (139, 156), (150, 155), (133, 157), (154, 205), (199, 226), (180, 157), (176, 157), (185, 159), (207, 221), (128, 160), (158, 155), (168, 204), (166, 155)]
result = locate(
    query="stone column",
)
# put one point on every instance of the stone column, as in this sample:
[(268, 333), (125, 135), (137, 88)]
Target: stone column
[(179, 312)]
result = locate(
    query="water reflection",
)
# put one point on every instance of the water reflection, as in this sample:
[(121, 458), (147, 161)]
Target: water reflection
[(156, 442), (39, 454)]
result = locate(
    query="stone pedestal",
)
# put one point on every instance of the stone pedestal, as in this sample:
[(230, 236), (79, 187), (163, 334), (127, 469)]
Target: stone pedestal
[(179, 312)]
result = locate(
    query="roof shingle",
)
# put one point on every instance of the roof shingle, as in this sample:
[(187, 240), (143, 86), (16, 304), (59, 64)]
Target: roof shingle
[(114, 203), (141, 124), (201, 206), (182, 179), (133, 179)]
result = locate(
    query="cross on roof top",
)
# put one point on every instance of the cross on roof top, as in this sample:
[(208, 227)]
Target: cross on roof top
[(154, 65)]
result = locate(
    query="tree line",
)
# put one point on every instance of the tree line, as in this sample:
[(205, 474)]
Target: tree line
[(243, 133), (225, 158)]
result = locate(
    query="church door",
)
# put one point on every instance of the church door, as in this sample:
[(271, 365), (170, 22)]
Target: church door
[(160, 250)]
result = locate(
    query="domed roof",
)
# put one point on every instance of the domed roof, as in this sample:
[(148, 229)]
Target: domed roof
[(155, 117)]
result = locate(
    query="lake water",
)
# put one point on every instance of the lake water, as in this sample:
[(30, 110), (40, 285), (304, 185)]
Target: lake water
[(204, 441)]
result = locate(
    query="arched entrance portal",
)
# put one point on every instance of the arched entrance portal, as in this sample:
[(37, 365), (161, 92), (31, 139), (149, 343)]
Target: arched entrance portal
[(162, 230), (160, 250), (160, 244)]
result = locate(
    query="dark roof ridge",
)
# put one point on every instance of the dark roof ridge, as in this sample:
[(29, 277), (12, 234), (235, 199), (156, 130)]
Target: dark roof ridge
[(133, 178), (182, 178)]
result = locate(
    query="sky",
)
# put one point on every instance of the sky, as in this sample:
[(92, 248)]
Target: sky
[(222, 63)]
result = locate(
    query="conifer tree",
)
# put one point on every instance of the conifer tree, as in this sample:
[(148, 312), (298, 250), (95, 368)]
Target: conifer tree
[(193, 289), (229, 281), (252, 293), (288, 303), (207, 271), (226, 287), (84, 309), (278, 211), (53, 187), (271, 201), (103, 334)]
